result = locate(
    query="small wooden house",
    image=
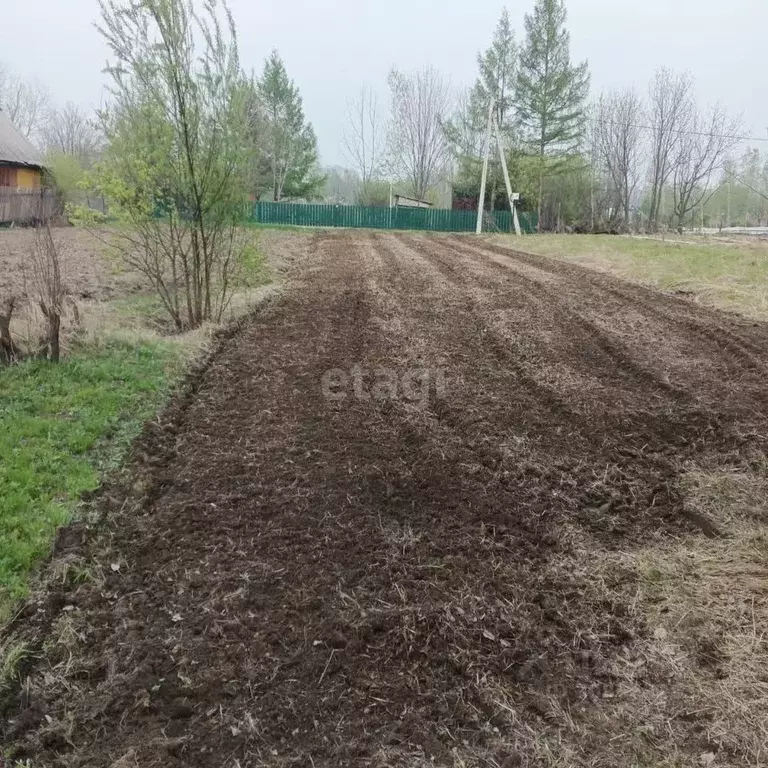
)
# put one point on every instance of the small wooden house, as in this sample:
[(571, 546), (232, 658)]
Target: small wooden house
[(23, 199), (21, 165)]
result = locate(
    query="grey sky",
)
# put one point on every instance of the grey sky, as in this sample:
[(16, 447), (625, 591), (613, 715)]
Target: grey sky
[(331, 48)]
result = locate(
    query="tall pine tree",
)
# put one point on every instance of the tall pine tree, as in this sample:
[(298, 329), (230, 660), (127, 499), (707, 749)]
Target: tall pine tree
[(498, 69), (551, 92), (287, 142)]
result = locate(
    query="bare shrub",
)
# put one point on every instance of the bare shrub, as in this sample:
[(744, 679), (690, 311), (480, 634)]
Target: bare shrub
[(48, 291), (421, 102)]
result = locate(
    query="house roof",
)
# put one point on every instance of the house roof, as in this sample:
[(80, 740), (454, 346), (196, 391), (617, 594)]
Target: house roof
[(14, 148)]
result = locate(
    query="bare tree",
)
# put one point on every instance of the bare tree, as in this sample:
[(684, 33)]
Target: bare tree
[(71, 132), (48, 290), (619, 137), (364, 138), (601, 199), (671, 111), (704, 150), (421, 101), (25, 102)]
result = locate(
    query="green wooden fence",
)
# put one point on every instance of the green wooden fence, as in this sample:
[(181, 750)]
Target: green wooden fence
[(432, 219)]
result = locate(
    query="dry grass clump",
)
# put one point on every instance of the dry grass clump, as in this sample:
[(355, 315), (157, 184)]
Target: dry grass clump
[(709, 601)]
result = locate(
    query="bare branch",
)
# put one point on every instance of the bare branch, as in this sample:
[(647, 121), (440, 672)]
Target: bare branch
[(704, 150), (620, 147), (421, 102), (25, 102), (671, 112), (363, 139)]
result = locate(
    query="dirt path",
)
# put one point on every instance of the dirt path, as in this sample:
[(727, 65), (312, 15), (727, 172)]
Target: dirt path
[(398, 575)]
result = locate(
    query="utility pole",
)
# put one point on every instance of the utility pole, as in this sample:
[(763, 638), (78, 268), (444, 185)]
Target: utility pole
[(513, 197), (507, 183), (484, 179)]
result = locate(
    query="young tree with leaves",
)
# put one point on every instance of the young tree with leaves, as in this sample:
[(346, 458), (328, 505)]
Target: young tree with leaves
[(496, 82), (551, 92), (175, 170), (289, 143), (498, 71)]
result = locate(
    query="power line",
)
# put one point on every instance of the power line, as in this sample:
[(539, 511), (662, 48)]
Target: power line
[(684, 132), (746, 184)]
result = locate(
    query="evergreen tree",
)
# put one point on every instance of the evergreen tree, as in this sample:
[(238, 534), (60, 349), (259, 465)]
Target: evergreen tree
[(496, 79), (287, 142), (551, 92), (498, 69)]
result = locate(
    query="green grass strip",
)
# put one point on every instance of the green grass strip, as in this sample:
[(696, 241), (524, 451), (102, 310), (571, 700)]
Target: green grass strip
[(61, 427)]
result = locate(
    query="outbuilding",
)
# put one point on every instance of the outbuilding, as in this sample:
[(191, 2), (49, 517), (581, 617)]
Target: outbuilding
[(21, 165), (24, 198)]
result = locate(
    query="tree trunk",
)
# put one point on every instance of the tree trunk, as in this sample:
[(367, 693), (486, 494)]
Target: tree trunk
[(9, 352), (54, 332)]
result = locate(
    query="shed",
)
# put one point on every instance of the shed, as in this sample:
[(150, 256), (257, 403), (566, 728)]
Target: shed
[(401, 201)]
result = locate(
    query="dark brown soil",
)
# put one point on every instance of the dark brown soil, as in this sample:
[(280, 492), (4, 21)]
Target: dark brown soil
[(394, 581)]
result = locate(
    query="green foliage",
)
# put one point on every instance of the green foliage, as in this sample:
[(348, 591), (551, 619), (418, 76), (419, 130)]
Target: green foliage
[(342, 185), (551, 92), (465, 131), (498, 70), (60, 425), (68, 174), (83, 216), (287, 142), (377, 194)]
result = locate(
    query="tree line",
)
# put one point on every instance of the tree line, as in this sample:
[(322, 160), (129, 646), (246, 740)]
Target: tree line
[(616, 161), (619, 161)]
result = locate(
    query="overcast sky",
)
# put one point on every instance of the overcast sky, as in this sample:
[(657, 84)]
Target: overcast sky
[(332, 47)]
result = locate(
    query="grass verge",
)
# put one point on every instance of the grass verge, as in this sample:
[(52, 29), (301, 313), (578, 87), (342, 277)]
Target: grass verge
[(723, 274), (61, 427)]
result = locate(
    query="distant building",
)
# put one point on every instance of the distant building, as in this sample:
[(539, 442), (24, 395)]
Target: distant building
[(21, 165), (401, 201)]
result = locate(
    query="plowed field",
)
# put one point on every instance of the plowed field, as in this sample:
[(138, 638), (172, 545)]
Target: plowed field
[(370, 535)]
